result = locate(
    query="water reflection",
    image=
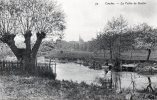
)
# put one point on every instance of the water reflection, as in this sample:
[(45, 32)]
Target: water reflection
[(119, 80), (75, 72), (124, 80), (133, 81), (149, 87), (116, 80)]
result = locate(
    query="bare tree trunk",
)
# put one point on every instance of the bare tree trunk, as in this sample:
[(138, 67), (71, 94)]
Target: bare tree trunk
[(30, 57), (150, 86), (27, 57), (104, 54), (149, 52), (111, 54)]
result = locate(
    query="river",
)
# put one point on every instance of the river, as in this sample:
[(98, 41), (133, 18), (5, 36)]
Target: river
[(122, 80)]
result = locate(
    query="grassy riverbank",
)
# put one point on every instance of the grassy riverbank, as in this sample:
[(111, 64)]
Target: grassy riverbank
[(15, 87), (147, 68), (34, 88)]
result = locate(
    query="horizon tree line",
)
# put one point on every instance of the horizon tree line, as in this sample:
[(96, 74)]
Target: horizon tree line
[(117, 37)]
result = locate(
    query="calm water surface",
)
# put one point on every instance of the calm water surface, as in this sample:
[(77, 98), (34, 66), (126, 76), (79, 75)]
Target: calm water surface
[(125, 80), (75, 72)]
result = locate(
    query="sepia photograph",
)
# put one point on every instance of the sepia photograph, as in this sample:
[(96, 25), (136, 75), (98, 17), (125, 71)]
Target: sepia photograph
[(78, 50)]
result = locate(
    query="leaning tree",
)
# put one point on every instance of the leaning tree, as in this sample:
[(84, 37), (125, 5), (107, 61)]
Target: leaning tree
[(27, 17)]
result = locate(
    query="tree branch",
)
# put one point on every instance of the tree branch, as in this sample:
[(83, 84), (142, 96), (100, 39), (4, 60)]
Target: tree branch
[(40, 37), (9, 40)]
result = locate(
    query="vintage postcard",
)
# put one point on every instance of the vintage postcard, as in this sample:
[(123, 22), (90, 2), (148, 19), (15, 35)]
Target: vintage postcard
[(78, 50)]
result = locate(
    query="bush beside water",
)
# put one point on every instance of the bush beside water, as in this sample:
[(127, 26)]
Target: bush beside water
[(146, 68)]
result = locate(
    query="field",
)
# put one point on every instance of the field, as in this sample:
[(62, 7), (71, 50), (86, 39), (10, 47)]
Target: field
[(126, 55)]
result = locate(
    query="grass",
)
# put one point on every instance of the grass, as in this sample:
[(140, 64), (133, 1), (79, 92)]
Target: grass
[(35, 88)]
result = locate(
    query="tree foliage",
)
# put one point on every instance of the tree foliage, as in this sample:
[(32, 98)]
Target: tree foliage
[(146, 38), (118, 37), (19, 16), (110, 38), (28, 17)]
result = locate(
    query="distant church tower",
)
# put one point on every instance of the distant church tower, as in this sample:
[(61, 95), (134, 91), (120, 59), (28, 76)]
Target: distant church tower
[(81, 41)]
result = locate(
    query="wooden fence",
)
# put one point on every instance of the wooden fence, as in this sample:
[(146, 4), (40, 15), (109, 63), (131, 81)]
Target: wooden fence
[(40, 68), (10, 66), (47, 67)]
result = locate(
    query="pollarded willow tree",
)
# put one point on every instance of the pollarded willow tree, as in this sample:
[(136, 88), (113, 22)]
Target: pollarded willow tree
[(28, 17)]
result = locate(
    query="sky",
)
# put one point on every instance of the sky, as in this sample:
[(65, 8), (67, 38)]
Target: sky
[(85, 18)]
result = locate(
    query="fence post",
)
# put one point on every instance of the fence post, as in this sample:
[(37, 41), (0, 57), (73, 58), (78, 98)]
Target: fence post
[(12, 66), (6, 64), (17, 65), (2, 65), (50, 62), (20, 67), (35, 66), (55, 68)]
